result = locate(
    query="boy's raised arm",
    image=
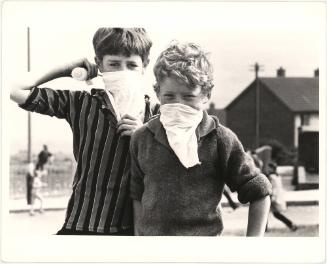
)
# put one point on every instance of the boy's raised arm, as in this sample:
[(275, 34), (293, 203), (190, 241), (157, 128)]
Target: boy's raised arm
[(20, 91)]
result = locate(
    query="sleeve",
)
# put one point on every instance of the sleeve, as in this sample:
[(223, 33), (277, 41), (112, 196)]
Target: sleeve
[(243, 176), (137, 176), (51, 102)]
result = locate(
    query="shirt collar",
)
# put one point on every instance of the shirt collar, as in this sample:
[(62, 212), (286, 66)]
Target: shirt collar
[(207, 125), (103, 97)]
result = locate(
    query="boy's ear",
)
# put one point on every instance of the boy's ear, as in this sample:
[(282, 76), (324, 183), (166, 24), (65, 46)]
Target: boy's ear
[(207, 97), (98, 63), (96, 60)]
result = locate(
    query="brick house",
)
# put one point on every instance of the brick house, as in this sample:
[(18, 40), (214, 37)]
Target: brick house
[(285, 105)]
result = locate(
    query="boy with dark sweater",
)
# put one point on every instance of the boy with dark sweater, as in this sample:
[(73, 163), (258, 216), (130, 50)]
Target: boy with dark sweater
[(182, 159), (102, 122)]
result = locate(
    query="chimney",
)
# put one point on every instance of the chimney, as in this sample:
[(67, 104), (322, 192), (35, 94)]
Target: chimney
[(316, 73), (281, 72)]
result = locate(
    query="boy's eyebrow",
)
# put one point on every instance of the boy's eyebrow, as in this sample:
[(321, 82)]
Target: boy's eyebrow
[(117, 60), (132, 61), (188, 94)]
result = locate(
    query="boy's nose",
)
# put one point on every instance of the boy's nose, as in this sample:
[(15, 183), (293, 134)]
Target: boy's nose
[(123, 67)]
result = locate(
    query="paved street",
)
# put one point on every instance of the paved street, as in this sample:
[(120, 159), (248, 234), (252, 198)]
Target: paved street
[(306, 217), (234, 221)]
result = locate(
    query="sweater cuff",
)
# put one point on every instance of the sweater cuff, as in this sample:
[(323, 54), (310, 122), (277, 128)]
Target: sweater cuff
[(31, 101), (255, 189)]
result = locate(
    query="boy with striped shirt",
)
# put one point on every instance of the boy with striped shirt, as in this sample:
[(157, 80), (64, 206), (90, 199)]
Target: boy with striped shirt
[(102, 122)]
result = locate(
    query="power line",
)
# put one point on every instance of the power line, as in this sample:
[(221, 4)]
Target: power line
[(256, 68)]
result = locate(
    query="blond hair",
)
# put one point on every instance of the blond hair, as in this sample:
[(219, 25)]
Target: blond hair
[(186, 62)]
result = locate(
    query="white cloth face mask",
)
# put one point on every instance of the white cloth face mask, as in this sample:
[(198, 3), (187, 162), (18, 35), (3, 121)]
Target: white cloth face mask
[(126, 88), (180, 122)]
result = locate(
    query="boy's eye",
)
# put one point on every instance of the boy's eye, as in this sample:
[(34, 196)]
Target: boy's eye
[(113, 64), (188, 97), (133, 65)]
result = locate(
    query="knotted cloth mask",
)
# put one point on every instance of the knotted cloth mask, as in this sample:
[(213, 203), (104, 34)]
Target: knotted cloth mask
[(126, 88), (180, 122)]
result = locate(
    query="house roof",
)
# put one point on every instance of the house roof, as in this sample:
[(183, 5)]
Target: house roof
[(299, 94)]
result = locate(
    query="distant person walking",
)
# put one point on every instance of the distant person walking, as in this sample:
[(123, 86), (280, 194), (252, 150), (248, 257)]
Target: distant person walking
[(43, 158), (150, 110), (278, 203)]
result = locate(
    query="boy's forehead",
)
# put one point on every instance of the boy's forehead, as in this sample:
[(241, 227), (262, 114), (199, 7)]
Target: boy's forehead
[(122, 57), (172, 84)]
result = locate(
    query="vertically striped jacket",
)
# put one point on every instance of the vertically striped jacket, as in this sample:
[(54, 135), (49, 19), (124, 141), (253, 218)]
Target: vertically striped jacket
[(99, 201)]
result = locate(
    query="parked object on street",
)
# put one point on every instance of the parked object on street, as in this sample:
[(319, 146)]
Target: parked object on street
[(306, 170), (309, 149)]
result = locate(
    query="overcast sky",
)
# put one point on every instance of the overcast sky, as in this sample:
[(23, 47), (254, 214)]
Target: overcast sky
[(287, 34)]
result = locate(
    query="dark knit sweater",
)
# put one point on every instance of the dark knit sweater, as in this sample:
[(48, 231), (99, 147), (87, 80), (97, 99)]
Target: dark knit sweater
[(180, 201)]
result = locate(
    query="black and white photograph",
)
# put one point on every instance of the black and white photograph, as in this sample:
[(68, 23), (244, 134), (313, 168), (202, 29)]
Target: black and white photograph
[(163, 131)]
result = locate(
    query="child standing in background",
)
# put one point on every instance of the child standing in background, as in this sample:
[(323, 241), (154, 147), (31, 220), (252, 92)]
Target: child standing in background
[(278, 203), (36, 190), (182, 159)]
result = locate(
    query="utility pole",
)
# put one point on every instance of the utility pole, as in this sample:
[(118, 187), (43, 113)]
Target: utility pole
[(29, 128), (256, 68)]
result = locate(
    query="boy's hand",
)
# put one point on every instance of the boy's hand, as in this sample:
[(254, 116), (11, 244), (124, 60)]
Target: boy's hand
[(128, 124), (92, 69)]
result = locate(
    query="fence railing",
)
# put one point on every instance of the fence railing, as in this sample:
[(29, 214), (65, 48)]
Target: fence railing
[(58, 181)]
